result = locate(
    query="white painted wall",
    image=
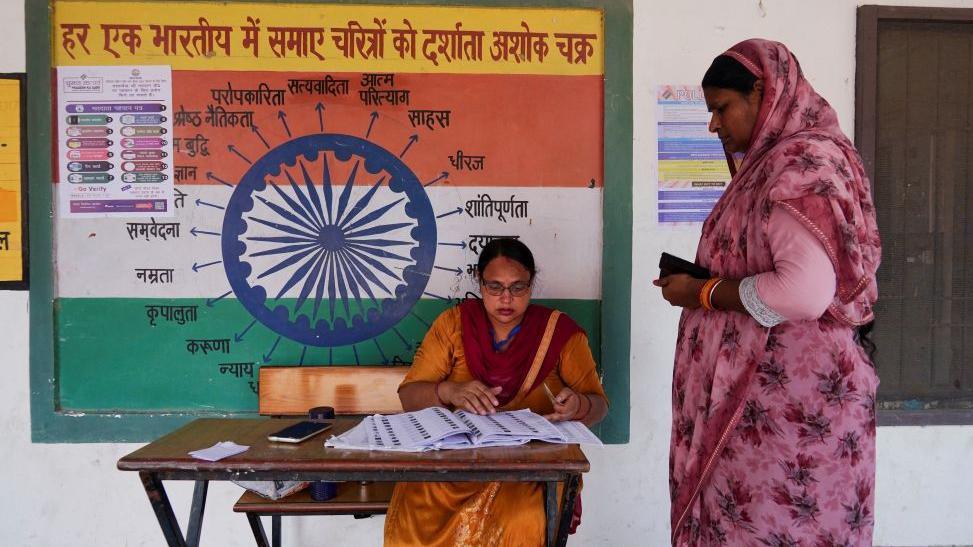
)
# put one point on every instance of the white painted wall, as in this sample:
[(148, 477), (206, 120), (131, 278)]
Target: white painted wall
[(67, 495)]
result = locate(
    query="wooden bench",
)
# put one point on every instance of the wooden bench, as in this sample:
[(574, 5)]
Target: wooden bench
[(351, 390)]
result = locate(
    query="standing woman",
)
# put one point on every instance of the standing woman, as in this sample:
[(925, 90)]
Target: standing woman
[(485, 355), (773, 419)]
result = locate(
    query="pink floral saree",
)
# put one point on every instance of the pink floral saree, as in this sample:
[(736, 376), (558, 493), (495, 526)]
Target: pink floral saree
[(773, 430)]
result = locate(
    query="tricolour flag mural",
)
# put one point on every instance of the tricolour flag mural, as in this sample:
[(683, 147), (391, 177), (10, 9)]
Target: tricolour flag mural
[(335, 170)]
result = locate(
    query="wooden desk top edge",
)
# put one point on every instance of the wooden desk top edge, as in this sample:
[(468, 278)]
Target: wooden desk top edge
[(170, 453)]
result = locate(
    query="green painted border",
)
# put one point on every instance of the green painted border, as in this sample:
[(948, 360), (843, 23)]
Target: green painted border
[(50, 425)]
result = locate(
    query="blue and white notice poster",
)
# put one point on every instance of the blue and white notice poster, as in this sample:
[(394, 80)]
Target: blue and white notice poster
[(692, 166)]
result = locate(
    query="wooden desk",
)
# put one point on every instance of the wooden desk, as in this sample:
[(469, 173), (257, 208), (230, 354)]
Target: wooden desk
[(167, 459)]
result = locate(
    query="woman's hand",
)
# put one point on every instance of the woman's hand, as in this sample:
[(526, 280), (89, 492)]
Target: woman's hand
[(567, 403), (472, 396), (681, 290)]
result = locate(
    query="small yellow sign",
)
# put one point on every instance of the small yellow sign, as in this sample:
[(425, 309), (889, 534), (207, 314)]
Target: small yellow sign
[(11, 169)]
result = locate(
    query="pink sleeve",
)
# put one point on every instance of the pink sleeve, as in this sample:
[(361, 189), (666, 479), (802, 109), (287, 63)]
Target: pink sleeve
[(802, 284)]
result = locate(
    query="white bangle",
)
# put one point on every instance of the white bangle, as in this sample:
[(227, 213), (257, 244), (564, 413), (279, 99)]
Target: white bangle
[(709, 297)]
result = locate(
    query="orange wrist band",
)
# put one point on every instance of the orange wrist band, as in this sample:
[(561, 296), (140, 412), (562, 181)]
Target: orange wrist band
[(704, 293), (712, 291)]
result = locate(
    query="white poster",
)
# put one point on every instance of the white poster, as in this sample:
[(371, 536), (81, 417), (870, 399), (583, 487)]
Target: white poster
[(114, 140), (693, 172)]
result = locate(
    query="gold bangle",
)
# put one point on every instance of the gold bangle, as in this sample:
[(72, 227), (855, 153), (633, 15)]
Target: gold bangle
[(436, 390)]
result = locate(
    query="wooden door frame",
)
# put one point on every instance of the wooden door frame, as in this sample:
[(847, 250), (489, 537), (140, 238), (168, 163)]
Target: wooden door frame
[(866, 128)]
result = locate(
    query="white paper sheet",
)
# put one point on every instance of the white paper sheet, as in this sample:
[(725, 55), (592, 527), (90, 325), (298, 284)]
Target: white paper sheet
[(577, 433), (218, 451), (422, 428), (437, 428), (511, 425)]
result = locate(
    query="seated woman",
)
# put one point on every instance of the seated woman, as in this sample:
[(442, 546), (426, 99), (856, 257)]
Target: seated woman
[(484, 356)]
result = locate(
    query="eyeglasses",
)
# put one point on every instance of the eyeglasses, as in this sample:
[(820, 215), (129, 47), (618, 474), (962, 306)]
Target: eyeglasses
[(495, 288)]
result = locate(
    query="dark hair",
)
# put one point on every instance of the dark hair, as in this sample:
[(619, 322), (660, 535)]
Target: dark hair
[(508, 247), (863, 337), (728, 73)]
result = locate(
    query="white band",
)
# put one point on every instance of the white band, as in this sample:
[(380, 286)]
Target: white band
[(755, 306)]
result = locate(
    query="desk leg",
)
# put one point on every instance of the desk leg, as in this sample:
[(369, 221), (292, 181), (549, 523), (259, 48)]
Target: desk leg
[(258, 529), (196, 513), (275, 530), (163, 509), (567, 509), (550, 509)]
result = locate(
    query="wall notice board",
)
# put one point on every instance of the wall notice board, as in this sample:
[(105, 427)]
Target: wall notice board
[(309, 184), (13, 183)]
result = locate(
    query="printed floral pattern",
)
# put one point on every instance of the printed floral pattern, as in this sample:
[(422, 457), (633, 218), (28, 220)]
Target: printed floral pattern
[(773, 437)]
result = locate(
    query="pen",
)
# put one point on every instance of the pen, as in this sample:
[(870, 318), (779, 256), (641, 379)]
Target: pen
[(549, 394)]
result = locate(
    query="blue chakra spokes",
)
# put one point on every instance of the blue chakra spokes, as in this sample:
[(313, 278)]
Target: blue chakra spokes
[(329, 265)]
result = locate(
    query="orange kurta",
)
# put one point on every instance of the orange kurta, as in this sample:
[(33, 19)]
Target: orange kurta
[(480, 514)]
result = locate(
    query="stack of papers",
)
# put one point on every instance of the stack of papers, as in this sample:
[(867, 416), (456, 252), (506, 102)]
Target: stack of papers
[(437, 428), (219, 451)]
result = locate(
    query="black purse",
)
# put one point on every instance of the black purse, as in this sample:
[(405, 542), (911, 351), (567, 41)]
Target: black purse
[(671, 264)]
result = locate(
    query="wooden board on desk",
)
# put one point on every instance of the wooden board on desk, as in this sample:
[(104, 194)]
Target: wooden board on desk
[(350, 390)]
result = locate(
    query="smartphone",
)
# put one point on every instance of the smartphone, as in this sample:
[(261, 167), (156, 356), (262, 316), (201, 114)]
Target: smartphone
[(298, 432), (670, 264)]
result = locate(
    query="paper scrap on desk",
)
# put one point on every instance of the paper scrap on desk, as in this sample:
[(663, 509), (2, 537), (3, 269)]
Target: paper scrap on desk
[(218, 451)]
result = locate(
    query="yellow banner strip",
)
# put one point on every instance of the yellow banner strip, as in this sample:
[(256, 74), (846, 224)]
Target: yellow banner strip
[(329, 37), (11, 223)]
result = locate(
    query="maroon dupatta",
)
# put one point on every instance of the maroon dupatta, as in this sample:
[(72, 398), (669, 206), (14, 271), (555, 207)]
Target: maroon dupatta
[(508, 369)]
